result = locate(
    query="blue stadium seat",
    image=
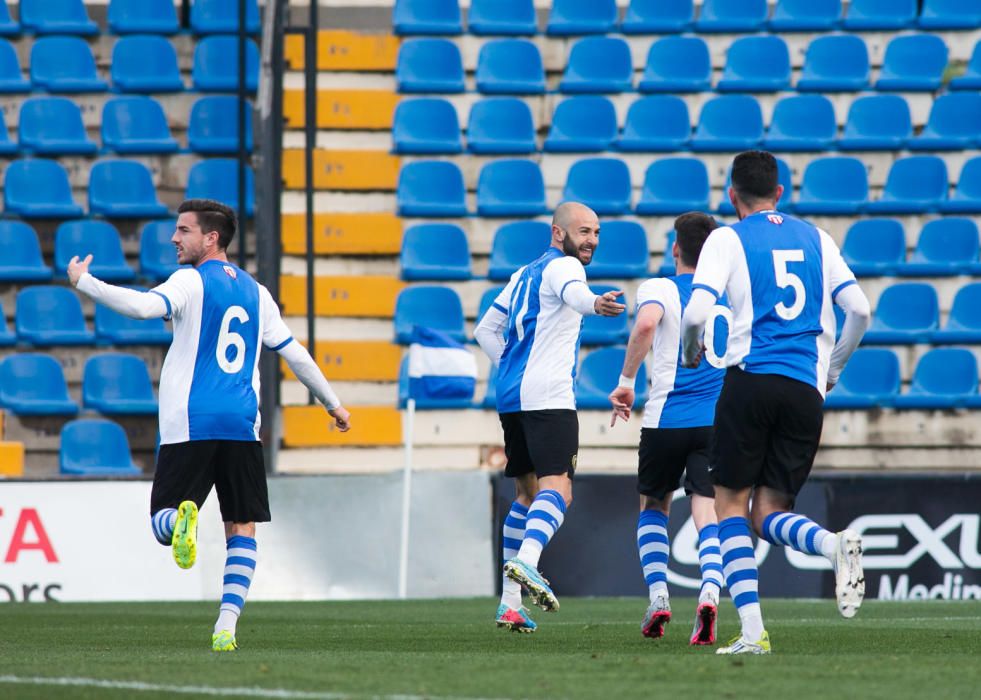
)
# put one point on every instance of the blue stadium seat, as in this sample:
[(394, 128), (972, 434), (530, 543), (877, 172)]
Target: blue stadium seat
[(805, 15), (966, 198), (7, 147), (802, 123), (56, 17), (115, 329), (604, 330), (835, 63), (142, 17), (8, 27), (622, 253), (732, 16), (431, 188), (123, 188), (954, 124), (870, 379), (583, 124), (598, 64), (97, 238), (572, 17), (490, 397), (502, 18), (603, 184), (915, 184), (970, 80), (510, 66), (783, 177), (964, 322), (95, 447), (434, 307), (501, 125), (64, 64), (32, 384), (426, 17), (11, 78), (658, 17), (875, 247), (913, 62), (7, 336), (213, 127), (677, 64), (877, 123), (656, 123), (906, 313), (215, 66), (217, 178), (756, 64), (158, 258), (950, 14), (136, 125), (47, 315), (435, 252), (598, 375), (145, 64), (426, 125), (729, 123), (517, 244), (511, 188), (20, 254), (118, 384), (487, 300), (667, 268), (947, 246), (879, 15), (36, 188), (833, 185), (674, 186), (222, 16), (944, 378), (426, 403), (52, 126), (429, 65)]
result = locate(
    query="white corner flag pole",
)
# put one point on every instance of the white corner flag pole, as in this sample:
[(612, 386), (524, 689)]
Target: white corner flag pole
[(408, 433)]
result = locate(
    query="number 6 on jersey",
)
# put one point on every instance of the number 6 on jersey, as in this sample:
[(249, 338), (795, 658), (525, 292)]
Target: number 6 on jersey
[(227, 338)]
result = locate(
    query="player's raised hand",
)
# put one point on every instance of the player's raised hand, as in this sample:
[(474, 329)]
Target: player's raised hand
[(607, 304), (622, 399), (77, 268), (342, 418)]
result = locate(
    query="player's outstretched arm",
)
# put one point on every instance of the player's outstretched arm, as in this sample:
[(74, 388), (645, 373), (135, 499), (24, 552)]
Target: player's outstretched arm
[(309, 374), (641, 338), (128, 302), (858, 315)]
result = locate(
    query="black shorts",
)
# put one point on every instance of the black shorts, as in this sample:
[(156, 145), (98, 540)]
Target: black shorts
[(767, 430), (544, 442), (667, 452), (186, 471)]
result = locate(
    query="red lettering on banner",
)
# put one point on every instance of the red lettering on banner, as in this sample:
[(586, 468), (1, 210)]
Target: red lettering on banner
[(19, 543)]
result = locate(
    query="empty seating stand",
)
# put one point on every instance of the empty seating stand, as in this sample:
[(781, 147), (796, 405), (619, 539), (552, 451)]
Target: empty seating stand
[(33, 384), (64, 64), (880, 15), (142, 17), (915, 184), (603, 184), (875, 247), (572, 17), (158, 257), (8, 27), (124, 189), (510, 66), (502, 18), (756, 64), (112, 328), (426, 17), (516, 244), (954, 124), (215, 66), (729, 123), (674, 186), (53, 126), (20, 254), (656, 123), (431, 188), (217, 178), (48, 315), (805, 15), (118, 384), (802, 123), (971, 79), (947, 246), (732, 16), (677, 64), (426, 125), (877, 123), (433, 307), (583, 124), (914, 62), (222, 16), (835, 63), (502, 125), (38, 188), (658, 17), (966, 198), (944, 378), (100, 239), (11, 78), (56, 17), (435, 252), (145, 64), (870, 379), (622, 252), (95, 447), (907, 312), (597, 377), (950, 14), (598, 65), (964, 323), (137, 125), (833, 185), (429, 66), (510, 188)]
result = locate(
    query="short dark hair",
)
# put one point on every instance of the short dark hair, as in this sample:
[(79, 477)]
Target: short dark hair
[(692, 229), (754, 176), (212, 216)]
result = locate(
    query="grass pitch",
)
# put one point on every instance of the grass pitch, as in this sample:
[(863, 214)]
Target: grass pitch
[(592, 648)]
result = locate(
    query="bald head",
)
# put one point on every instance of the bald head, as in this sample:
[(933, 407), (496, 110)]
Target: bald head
[(568, 215), (575, 230)]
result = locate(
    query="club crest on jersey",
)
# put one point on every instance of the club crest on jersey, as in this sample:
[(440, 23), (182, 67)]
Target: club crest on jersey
[(774, 219), (230, 271)]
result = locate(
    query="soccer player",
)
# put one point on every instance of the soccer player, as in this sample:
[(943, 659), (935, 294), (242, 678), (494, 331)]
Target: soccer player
[(209, 388), (675, 435), (532, 333), (781, 276)]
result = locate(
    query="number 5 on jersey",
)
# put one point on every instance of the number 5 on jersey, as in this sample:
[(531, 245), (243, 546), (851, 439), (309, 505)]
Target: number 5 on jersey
[(785, 278), (228, 338)]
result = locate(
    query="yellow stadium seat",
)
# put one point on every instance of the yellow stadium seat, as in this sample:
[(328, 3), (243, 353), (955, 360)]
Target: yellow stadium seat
[(11, 459), (353, 296), (344, 234), (371, 426), (342, 170), (339, 50), (356, 360), (343, 109)]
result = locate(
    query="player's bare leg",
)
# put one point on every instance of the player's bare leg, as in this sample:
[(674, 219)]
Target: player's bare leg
[(511, 614), (710, 562), (239, 569)]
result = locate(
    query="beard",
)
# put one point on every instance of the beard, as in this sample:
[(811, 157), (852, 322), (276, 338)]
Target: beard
[(570, 248)]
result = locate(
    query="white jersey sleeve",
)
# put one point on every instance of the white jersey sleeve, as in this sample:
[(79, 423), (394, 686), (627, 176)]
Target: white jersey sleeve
[(502, 302), (654, 291), (275, 334), (715, 263), (566, 279), (179, 291)]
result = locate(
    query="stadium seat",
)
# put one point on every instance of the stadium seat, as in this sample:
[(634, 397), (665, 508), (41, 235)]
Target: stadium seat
[(729, 123), (434, 307), (950, 14), (222, 16), (20, 254), (656, 123), (877, 123), (97, 238), (966, 198), (486, 301), (511, 188), (915, 184), (805, 15), (502, 18), (906, 313), (36, 188), (123, 188), (118, 384), (7, 147), (913, 62), (217, 178), (667, 268), (622, 252), (583, 124), (142, 17), (604, 330), (756, 64), (944, 378), (517, 244), (426, 17), (510, 66), (879, 15), (964, 322), (783, 177), (137, 125), (674, 186), (602, 184), (500, 125), (56, 17), (947, 246), (677, 64), (52, 126), (426, 125), (802, 123), (64, 64), (47, 315), (158, 258), (835, 63), (95, 447), (598, 64), (32, 384), (598, 374), (435, 252), (658, 17), (833, 185), (732, 16), (215, 66), (970, 80), (427, 403), (875, 247), (429, 65), (146, 64), (8, 27), (870, 379), (431, 188), (11, 78), (112, 328), (7, 336), (954, 124), (572, 17)]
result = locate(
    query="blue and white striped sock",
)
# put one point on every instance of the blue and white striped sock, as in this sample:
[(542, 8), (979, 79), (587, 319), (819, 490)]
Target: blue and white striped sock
[(710, 561), (514, 532), (239, 569), (652, 544), (162, 523), (544, 519), (799, 532), (742, 576)]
